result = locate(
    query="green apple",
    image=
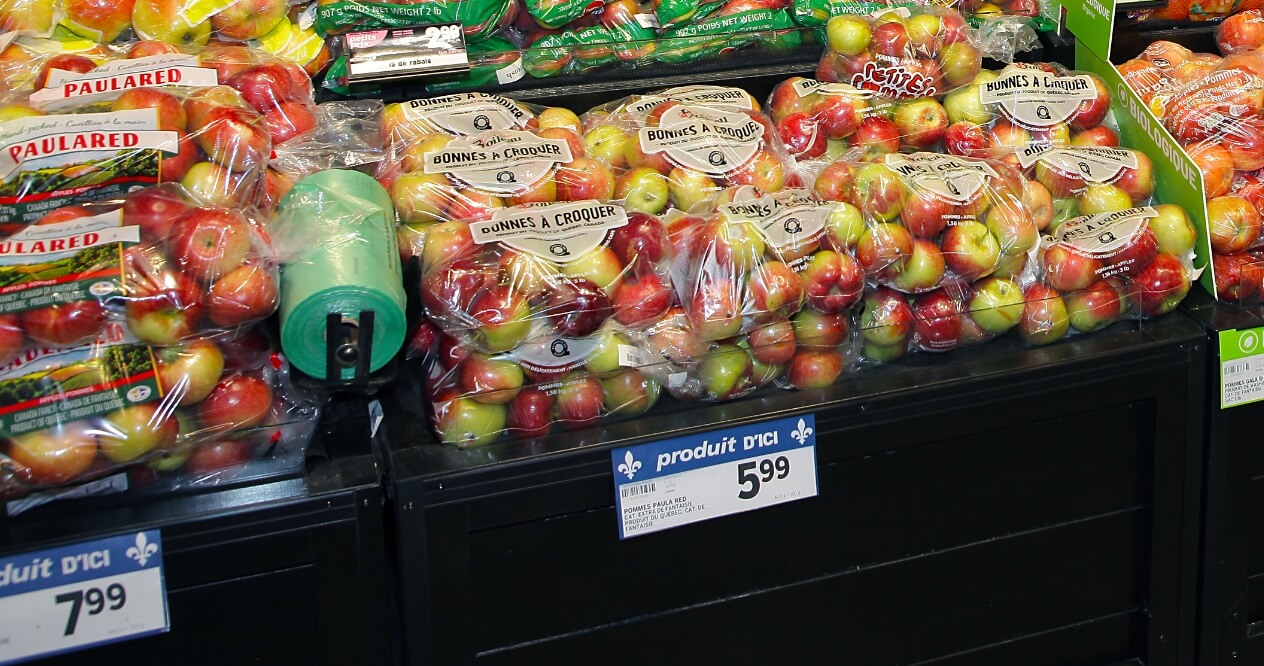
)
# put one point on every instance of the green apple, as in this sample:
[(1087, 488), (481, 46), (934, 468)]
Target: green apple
[(643, 189), (725, 371), (1065, 208), (1103, 198), (190, 371), (883, 353), (844, 226), (964, 105), (469, 423), (608, 144), (923, 270), (1173, 230), (604, 362), (848, 35), (133, 431), (174, 457), (689, 188), (997, 304)]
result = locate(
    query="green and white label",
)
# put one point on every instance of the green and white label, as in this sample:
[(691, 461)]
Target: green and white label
[(1241, 367)]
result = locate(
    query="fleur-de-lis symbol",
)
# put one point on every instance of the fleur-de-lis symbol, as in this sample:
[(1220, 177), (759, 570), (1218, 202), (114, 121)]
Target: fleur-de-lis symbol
[(629, 466), (802, 433), (143, 549)]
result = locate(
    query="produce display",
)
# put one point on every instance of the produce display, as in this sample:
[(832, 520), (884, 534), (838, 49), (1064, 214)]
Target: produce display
[(1214, 107)]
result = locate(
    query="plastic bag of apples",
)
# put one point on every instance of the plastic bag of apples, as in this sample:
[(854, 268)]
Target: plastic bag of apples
[(158, 263), (836, 120), (901, 53), (678, 148), (766, 274), (543, 270), (74, 414), (540, 386), (1162, 68)]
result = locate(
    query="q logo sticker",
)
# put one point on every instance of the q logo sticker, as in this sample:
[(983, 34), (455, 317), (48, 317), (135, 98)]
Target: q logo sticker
[(560, 349), (505, 177), (1042, 112), (482, 122), (559, 250), (1248, 342), (793, 226), (716, 158)]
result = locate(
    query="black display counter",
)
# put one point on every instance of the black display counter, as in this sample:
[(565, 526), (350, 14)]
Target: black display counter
[(997, 505), (284, 571), (1231, 622)]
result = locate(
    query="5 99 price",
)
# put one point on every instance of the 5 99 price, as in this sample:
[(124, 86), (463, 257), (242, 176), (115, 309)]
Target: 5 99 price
[(751, 475)]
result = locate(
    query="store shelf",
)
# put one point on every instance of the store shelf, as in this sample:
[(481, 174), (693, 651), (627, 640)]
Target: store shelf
[(1001, 504), (284, 571), (1231, 621)]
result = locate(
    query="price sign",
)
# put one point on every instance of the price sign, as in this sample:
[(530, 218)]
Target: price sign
[(1241, 367), (72, 597), (400, 53), (684, 480)]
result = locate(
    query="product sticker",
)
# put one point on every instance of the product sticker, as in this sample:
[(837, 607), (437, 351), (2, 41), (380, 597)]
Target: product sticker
[(1037, 99), (559, 232), (1213, 100), (63, 599), (710, 140), (894, 81), (44, 388), (514, 71), (805, 87), (557, 356), (1241, 367), (788, 218), (467, 113), (47, 162), (500, 161), (649, 21), (1095, 164), (675, 482), (957, 180), (1105, 234), (107, 82), (64, 262), (378, 55), (697, 95)]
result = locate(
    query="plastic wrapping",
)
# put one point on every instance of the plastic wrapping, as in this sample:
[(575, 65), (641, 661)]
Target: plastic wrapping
[(837, 121), (902, 53), (1027, 107), (1241, 32), (546, 269), (928, 219), (1100, 268), (81, 413), (158, 263), (680, 147)]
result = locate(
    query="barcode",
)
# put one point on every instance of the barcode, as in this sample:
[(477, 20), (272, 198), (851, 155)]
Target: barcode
[(639, 489), (1235, 368)]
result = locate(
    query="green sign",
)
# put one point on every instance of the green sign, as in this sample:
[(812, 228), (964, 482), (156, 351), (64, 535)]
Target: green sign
[(1241, 367)]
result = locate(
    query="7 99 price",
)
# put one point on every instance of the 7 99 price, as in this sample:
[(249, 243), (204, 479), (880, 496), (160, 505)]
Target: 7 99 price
[(751, 475), (97, 601)]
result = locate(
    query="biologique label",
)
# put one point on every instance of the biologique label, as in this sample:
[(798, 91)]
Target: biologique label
[(47, 162), (956, 180), (500, 162), (64, 262), (1105, 234), (107, 82), (709, 140), (787, 218), (559, 232), (44, 388), (1095, 164), (1035, 98), (718, 96), (467, 113)]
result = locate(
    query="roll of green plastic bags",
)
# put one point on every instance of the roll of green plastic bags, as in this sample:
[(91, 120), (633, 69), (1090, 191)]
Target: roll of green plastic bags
[(336, 234)]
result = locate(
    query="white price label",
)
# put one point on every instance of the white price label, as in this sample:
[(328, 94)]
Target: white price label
[(685, 480), (64, 599)]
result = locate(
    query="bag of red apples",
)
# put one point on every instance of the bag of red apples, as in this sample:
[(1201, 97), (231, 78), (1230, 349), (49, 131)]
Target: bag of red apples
[(766, 287), (74, 414), (567, 382), (158, 263), (1162, 68), (901, 53), (680, 147), (543, 270)]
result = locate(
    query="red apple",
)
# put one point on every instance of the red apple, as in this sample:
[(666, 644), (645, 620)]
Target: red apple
[(207, 243), (1045, 317), (1234, 224), (773, 344), (530, 413), (54, 456), (217, 455), (814, 368), (925, 215), (584, 178), (775, 291), (641, 243), (248, 293), (155, 210), (163, 307), (237, 402), (965, 138), (490, 380), (64, 61), (232, 137), (1068, 270), (188, 373), (1094, 308), (577, 307), (1161, 286), (263, 86), (288, 120), (65, 324), (579, 402), (171, 114), (937, 320), (642, 301), (802, 136), (131, 432)]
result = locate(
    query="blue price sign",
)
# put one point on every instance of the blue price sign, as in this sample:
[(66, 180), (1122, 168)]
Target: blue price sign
[(72, 597), (684, 480)]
